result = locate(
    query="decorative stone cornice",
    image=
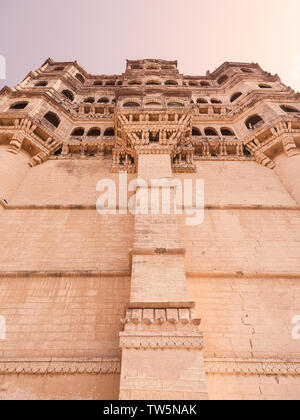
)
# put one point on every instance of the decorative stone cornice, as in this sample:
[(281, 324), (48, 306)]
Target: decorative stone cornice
[(59, 366), (252, 367), (148, 341)]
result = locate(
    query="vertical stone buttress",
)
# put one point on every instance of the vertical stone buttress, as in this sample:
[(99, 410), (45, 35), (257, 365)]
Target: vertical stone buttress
[(161, 342)]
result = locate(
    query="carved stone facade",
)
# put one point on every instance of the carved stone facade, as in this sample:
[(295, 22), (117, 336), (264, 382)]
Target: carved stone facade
[(143, 306)]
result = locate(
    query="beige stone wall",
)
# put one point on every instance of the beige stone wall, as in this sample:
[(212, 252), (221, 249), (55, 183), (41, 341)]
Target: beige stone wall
[(59, 387), (62, 316)]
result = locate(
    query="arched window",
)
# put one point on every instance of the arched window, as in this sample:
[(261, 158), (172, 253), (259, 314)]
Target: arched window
[(244, 70), (171, 83), (265, 86), (153, 83), (210, 132), (201, 101), (103, 101), (193, 84), (52, 119), (175, 104), (78, 132), (68, 94), (41, 84), (94, 132), (288, 109), (131, 104), (253, 121), (98, 83), (89, 100), (134, 83), (215, 101), (222, 79), (109, 132), (136, 67), (19, 105), (204, 84), (235, 96), (80, 78), (113, 101), (227, 132), (196, 132)]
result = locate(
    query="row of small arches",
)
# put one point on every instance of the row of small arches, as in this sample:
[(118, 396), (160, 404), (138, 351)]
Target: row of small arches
[(90, 100), (93, 132), (211, 132)]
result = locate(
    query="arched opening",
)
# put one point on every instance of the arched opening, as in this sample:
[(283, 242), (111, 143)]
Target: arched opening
[(52, 119), (227, 132), (210, 132), (103, 101), (153, 83), (134, 83), (253, 122), (204, 84), (80, 78), (68, 94), (94, 132), (171, 83), (98, 83), (78, 132), (89, 100), (175, 104), (196, 132), (113, 101), (245, 70), (288, 109), (19, 105), (152, 67), (215, 101), (41, 84), (136, 67), (222, 79), (131, 104), (235, 96), (154, 137), (193, 84), (109, 132), (110, 83), (201, 101), (265, 86)]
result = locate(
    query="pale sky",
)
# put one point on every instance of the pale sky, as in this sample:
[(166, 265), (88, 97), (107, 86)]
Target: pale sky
[(102, 34)]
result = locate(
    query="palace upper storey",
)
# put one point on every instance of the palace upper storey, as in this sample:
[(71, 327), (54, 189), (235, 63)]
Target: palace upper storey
[(62, 112)]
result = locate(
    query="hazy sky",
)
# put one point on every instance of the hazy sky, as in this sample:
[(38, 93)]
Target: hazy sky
[(102, 34)]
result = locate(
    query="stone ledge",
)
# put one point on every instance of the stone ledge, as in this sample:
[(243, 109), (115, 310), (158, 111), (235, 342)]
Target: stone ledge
[(59, 366), (152, 341), (78, 273), (252, 367)]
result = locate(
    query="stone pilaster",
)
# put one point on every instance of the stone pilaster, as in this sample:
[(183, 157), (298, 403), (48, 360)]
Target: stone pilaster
[(161, 342)]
